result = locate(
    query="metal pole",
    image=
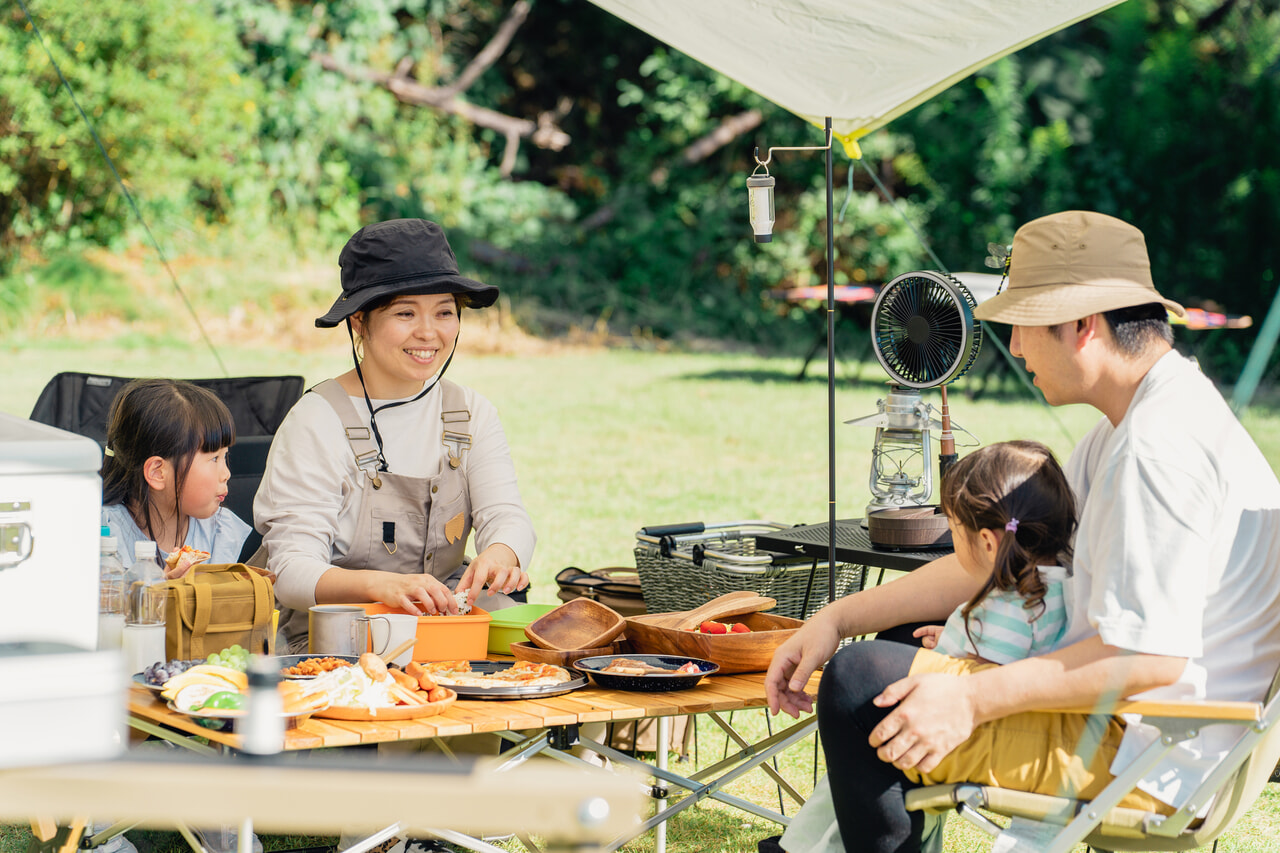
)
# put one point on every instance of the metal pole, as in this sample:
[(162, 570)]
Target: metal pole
[(831, 375), (1256, 365)]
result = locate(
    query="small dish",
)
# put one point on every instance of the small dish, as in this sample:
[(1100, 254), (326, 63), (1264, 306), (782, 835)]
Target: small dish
[(288, 661), (578, 624), (141, 679), (394, 712), (651, 682)]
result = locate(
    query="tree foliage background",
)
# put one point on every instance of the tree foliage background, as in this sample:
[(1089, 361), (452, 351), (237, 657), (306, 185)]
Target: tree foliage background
[(557, 145)]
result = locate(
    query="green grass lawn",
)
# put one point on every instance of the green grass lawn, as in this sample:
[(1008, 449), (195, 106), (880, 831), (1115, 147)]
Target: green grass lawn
[(607, 441)]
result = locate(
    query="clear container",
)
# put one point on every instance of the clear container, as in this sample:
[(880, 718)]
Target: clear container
[(111, 593), (144, 614), (262, 727)]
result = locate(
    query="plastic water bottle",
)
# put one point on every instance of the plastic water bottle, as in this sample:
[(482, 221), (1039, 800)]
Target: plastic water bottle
[(111, 593), (262, 727), (144, 614)]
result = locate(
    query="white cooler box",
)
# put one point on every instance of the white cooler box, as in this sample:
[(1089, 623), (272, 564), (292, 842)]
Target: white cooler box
[(50, 518), (61, 704)]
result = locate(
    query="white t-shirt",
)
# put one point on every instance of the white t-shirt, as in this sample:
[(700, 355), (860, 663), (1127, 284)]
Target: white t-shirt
[(307, 505), (1178, 553), (221, 534)]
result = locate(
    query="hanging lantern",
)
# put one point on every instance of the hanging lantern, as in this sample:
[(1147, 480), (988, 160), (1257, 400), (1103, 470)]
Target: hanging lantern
[(760, 206)]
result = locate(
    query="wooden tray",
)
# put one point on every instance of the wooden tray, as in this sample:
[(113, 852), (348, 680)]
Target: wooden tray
[(395, 712), (528, 651), (749, 652), (578, 624)]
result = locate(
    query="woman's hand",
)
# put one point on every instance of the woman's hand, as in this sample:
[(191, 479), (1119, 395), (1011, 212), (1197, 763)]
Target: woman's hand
[(413, 593), (497, 566)]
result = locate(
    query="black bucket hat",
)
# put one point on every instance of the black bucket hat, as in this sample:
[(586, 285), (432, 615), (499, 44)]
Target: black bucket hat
[(400, 256)]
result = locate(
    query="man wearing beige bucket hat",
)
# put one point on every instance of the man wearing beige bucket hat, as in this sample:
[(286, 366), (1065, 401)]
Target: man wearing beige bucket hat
[(1174, 590)]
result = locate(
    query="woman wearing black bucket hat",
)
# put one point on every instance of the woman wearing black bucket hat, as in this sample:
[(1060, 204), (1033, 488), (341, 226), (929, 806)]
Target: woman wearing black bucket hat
[(376, 480)]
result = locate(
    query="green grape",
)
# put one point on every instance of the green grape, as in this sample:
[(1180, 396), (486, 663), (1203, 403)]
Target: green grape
[(213, 659)]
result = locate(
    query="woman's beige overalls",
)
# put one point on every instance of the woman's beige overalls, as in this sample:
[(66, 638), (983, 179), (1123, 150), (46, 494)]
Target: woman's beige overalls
[(407, 525)]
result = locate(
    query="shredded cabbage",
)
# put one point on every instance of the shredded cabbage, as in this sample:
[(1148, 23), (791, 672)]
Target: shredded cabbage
[(350, 686)]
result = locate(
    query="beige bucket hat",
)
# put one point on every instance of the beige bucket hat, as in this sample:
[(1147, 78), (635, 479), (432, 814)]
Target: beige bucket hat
[(1072, 264)]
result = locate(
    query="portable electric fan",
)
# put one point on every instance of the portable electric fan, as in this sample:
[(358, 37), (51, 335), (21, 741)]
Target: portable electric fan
[(925, 336)]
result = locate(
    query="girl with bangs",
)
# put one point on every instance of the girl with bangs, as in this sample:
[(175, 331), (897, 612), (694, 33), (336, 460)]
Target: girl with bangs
[(165, 474)]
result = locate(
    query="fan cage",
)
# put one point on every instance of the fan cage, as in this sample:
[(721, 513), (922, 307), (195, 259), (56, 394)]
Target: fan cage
[(923, 331)]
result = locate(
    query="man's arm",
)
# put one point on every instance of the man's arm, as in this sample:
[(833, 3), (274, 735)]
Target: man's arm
[(936, 713), (929, 593)]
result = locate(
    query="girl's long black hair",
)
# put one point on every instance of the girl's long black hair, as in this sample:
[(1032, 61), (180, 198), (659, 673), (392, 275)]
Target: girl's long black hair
[(159, 417), (1009, 480)]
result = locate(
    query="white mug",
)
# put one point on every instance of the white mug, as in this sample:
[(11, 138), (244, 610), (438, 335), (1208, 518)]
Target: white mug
[(390, 630)]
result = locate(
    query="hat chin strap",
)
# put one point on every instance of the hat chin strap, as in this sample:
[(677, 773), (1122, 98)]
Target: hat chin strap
[(373, 413)]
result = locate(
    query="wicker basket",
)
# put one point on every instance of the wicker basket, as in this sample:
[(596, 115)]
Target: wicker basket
[(682, 566)]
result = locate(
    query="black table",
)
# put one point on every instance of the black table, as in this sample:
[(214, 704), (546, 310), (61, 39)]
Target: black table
[(852, 546)]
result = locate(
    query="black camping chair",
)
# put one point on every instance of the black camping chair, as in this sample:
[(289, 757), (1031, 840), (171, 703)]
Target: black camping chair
[(80, 403)]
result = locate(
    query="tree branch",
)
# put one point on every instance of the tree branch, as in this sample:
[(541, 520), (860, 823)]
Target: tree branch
[(544, 133), (482, 61), (728, 130)]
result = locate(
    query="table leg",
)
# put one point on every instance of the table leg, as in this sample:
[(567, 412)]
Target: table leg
[(43, 829), (664, 731), (181, 739)]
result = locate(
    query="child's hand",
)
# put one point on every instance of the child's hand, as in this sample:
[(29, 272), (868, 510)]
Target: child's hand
[(928, 635)]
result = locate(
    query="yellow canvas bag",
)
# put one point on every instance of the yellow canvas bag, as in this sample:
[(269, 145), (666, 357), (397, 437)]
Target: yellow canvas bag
[(214, 607)]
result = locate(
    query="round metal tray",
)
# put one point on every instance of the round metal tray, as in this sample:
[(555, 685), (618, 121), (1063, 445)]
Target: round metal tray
[(539, 691)]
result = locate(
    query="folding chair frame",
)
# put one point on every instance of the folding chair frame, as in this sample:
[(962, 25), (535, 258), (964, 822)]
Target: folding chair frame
[(1235, 782)]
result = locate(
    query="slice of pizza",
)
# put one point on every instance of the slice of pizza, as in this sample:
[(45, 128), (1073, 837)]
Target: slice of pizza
[(179, 562), (448, 666), (530, 673)]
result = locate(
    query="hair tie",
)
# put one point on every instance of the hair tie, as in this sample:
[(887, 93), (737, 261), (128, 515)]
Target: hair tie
[(1012, 525), (107, 451)]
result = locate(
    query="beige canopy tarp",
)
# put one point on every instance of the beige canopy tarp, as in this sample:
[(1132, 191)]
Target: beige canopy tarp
[(861, 62)]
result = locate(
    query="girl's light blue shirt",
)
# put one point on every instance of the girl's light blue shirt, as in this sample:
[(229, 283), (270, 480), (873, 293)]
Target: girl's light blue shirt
[(221, 534)]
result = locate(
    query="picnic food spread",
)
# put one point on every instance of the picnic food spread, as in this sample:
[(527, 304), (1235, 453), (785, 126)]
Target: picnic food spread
[(721, 628), (315, 666), (371, 685), (520, 674), (626, 666)]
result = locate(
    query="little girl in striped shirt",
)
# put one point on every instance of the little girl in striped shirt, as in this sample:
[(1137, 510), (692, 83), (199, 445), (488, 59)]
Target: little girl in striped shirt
[(1012, 517)]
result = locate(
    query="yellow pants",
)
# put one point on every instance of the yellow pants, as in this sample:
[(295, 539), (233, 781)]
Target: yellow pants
[(1063, 755)]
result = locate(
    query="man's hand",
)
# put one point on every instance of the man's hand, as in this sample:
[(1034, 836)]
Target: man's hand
[(497, 566), (794, 662), (934, 715)]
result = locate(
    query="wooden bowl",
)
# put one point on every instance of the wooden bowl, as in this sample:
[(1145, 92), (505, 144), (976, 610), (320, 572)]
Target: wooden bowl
[(750, 652), (528, 651), (578, 624), (909, 528)]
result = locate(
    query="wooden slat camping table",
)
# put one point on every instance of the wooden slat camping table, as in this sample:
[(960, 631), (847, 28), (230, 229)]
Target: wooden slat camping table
[(548, 727)]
